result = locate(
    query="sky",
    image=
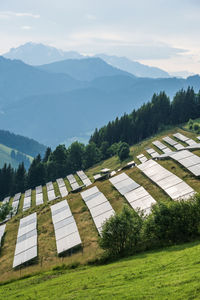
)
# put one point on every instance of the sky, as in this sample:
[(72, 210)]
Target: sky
[(161, 33)]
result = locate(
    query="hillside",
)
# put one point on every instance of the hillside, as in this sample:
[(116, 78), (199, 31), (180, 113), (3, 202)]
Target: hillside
[(134, 67), (85, 69), (19, 80), (47, 257), (171, 273), (6, 157), (21, 143)]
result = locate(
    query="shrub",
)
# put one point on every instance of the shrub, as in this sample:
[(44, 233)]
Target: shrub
[(123, 151), (177, 221), (196, 127), (121, 233), (5, 209)]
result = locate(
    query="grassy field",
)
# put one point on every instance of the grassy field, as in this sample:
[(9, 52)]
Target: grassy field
[(6, 158), (47, 255), (171, 273)]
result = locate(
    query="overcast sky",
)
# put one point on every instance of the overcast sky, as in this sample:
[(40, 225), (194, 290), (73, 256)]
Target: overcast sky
[(162, 33)]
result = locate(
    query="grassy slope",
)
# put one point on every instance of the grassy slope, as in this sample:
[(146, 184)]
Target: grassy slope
[(5, 157), (172, 273), (47, 257)]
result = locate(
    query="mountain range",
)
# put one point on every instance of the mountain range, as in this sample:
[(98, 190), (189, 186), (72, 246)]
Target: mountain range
[(39, 54), (65, 101)]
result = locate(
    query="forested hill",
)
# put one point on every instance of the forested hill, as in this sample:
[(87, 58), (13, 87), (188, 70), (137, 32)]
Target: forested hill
[(149, 118), (21, 143)]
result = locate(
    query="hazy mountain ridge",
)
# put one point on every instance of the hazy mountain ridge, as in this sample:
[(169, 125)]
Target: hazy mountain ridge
[(85, 69), (55, 108), (134, 67), (39, 54)]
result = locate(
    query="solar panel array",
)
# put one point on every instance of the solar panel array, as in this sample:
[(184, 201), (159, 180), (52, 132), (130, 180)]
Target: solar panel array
[(185, 139), (62, 187), (141, 158), (39, 195), (2, 231), (189, 160), (152, 152), (86, 181), (135, 194), (6, 200), (66, 231), (97, 176), (162, 147), (175, 187), (173, 143), (73, 182), (15, 203), (26, 246), (50, 191), (98, 205), (27, 200)]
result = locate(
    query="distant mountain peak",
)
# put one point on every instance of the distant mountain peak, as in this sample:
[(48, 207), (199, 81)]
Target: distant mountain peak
[(39, 54), (133, 67)]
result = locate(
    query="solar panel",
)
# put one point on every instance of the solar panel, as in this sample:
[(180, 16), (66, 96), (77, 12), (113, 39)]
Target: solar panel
[(66, 231), (49, 186), (2, 231), (189, 160), (28, 193), (170, 141), (26, 246), (170, 183), (159, 145), (51, 195), (60, 182), (38, 189), (179, 147), (162, 147), (62, 187), (6, 200), (132, 191), (39, 199), (97, 176), (98, 205), (27, 203), (180, 137), (86, 181)]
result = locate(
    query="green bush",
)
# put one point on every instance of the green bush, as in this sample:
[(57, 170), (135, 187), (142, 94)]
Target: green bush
[(121, 233), (5, 209), (123, 151), (174, 222), (196, 127)]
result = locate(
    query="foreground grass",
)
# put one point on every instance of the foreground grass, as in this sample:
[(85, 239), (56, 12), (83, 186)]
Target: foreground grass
[(171, 273)]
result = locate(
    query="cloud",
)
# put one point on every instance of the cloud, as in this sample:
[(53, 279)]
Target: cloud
[(10, 14), (26, 27), (90, 17)]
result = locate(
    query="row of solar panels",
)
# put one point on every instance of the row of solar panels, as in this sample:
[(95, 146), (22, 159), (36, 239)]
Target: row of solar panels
[(66, 234), (50, 192), (187, 159)]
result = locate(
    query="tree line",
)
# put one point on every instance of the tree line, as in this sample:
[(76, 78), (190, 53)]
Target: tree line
[(109, 140), (150, 118)]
